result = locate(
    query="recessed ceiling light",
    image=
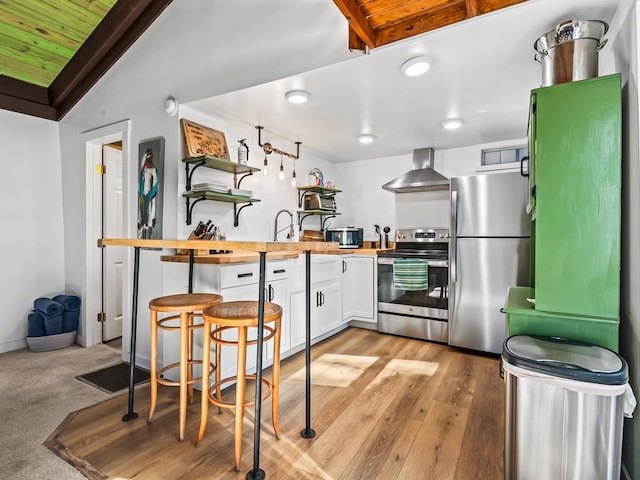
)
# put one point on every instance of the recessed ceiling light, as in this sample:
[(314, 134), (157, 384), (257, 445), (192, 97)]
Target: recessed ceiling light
[(297, 96), (416, 66), (366, 138), (452, 123)]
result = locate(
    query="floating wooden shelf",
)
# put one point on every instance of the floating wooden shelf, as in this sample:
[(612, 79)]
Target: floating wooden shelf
[(208, 161)]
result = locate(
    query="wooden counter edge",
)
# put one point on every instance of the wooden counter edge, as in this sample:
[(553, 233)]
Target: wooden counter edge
[(244, 246), (228, 258)]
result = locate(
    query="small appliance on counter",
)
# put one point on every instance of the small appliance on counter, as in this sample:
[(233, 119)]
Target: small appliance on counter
[(347, 237), (317, 201)]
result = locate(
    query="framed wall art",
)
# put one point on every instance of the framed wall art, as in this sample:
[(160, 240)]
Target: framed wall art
[(150, 180)]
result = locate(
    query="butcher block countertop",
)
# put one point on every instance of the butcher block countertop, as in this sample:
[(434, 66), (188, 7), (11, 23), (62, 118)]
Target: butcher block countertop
[(350, 251), (224, 258), (246, 257), (243, 251)]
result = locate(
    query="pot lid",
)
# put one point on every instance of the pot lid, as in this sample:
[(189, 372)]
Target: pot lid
[(570, 30)]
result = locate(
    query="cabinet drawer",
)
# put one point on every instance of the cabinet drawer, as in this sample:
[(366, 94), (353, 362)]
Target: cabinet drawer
[(326, 269), (278, 270), (241, 274)]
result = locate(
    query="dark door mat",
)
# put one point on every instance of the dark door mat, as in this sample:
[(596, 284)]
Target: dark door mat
[(115, 378)]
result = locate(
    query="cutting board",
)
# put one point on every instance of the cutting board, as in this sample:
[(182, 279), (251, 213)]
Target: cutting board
[(201, 140)]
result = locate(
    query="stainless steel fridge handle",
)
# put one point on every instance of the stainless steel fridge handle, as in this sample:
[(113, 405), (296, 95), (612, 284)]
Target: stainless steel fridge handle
[(524, 171), (454, 233)]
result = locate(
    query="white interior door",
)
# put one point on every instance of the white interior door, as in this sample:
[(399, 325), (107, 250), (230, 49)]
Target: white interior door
[(112, 211)]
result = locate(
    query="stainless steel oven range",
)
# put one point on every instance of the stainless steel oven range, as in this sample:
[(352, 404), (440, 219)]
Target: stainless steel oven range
[(413, 285)]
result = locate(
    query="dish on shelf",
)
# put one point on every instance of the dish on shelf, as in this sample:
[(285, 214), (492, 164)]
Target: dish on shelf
[(210, 187), (240, 193)]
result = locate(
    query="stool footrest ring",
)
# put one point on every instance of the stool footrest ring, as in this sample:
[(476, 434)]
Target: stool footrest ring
[(265, 394), (268, 335), (176, 383)]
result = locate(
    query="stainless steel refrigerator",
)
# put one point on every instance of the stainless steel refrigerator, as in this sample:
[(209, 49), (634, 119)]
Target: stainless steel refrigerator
[(489, 251)]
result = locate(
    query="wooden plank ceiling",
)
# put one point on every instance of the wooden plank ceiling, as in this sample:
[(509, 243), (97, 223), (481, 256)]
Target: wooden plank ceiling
[(53, 51), (373, 23)]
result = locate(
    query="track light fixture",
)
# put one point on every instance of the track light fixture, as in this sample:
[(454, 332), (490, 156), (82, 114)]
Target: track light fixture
[(269, 149)]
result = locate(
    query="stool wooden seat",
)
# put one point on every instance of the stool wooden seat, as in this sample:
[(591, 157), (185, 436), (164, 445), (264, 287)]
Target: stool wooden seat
[(185, 307), (240, 316)]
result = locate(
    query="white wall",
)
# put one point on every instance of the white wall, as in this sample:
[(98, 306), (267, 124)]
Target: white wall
[(622, 56), (257, 221), (365, 204), (190, 52), (31, 244)]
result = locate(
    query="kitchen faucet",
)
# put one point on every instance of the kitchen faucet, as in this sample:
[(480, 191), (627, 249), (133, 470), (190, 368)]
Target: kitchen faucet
[(291, 233)]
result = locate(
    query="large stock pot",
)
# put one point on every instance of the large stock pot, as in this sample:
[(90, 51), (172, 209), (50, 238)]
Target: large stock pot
[(569, 52)]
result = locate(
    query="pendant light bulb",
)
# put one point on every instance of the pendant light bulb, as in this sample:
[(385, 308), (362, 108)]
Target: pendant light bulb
[(281, 174), (293, 179), (265, 168)]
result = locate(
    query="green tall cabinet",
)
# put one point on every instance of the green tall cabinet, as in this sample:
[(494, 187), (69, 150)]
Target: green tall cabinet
[(575, 132)]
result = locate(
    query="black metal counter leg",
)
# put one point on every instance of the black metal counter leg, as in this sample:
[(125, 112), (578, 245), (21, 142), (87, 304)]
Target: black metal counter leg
[(131, 415), (308, 432), (257, 472)]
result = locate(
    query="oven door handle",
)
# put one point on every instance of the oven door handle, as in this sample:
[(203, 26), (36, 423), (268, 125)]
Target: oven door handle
[(430, 263)]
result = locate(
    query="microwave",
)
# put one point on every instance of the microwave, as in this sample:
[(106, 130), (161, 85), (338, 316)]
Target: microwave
[(348, 237), (317, 201)]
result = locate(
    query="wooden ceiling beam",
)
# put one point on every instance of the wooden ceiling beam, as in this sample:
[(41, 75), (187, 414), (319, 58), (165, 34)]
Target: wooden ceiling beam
[(22, 97), (486, 6), (355, 42), (357, 21), (122, 26), (437, 18), (472, 8), (380, 22)]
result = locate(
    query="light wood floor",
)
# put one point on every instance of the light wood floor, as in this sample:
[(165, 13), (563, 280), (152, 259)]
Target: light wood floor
[(383, 407)]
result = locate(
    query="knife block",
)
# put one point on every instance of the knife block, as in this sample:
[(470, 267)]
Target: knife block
[(199, 252)]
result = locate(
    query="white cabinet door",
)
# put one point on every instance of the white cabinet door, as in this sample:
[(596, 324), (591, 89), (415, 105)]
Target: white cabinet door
[(297, 317), (278, 293), (359, 287), (327, 314), (229, 353)]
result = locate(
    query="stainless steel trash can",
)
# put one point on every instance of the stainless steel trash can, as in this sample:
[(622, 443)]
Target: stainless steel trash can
[(564, 409)]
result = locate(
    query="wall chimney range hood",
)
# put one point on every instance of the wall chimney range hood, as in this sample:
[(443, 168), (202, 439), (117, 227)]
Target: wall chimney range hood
[(422, 178)]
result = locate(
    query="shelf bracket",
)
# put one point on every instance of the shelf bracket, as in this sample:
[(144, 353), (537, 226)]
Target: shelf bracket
[(190, 174), (236, 182), (323, 220), (190, 207), (236, 212), (301, 218)]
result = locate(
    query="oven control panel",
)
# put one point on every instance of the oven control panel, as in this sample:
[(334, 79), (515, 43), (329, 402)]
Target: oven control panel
[(422, 234)]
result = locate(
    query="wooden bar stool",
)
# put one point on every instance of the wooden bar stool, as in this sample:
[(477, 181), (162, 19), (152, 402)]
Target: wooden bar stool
[(241, 315), (185, 307)]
